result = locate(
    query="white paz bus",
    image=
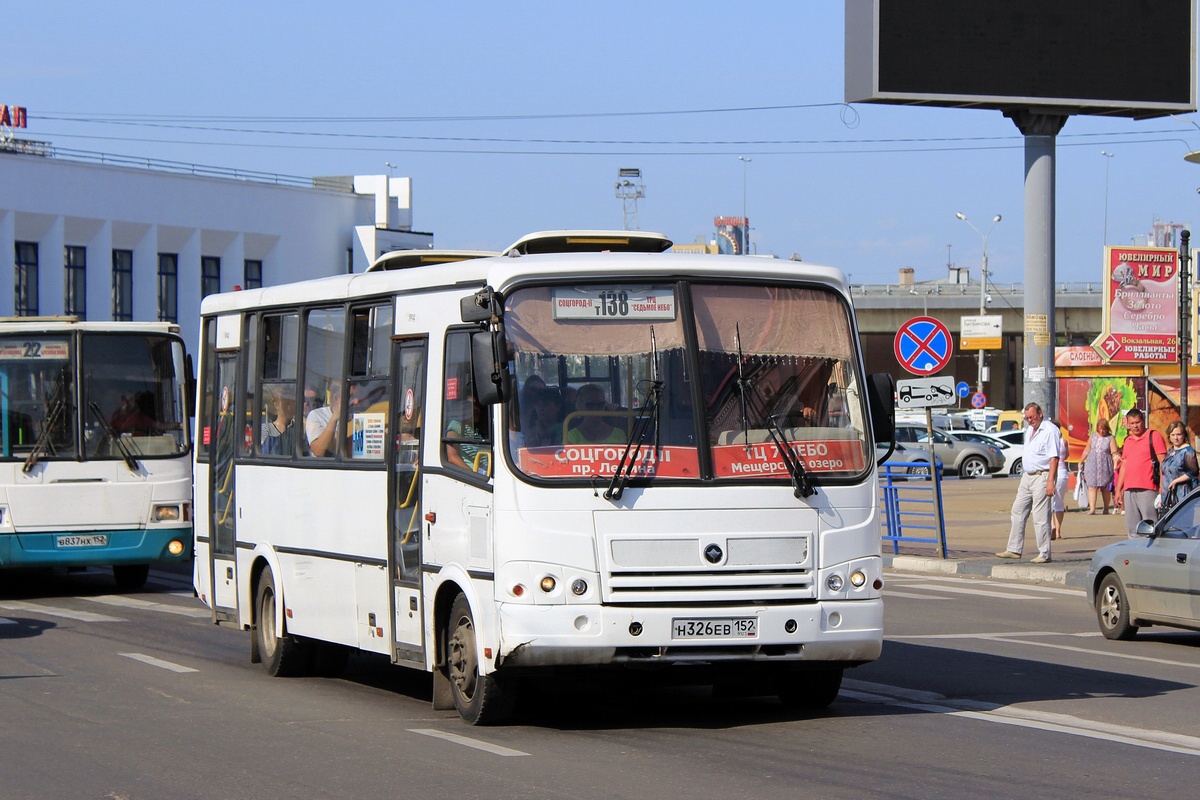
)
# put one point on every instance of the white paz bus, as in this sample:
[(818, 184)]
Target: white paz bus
[(495, 467), (95, 458)]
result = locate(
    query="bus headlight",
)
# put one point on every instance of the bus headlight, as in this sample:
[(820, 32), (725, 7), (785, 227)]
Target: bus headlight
[(835, 582), (175, 547), (166, 513), (857, 578)]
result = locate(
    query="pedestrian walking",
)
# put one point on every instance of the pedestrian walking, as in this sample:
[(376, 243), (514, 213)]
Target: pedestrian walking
[(1035, 493), (1099, 458), (1141, 463), (1060, 487), (1179, 469)]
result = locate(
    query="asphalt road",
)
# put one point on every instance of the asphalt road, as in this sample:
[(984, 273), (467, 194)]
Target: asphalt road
[(985, 689)]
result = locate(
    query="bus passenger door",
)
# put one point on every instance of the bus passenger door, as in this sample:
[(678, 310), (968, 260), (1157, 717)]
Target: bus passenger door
[(222, 508), (404, 505)]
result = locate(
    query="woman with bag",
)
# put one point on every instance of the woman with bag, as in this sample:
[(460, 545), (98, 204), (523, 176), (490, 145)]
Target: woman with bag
[(1179, 469), (1098, 460)]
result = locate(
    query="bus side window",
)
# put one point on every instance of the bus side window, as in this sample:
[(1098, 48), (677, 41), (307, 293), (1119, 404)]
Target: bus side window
[(324, 339), (466, 426)]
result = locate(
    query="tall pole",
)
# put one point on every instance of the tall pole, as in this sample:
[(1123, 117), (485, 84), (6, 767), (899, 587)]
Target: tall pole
[(745, 222), (982, 285), (1107, 161), (1185, 325)]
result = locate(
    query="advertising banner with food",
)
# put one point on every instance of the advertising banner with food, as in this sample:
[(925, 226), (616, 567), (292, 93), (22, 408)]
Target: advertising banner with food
[(1141, 321)]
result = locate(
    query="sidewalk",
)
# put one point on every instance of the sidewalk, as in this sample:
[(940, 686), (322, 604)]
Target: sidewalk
[(977, 524)]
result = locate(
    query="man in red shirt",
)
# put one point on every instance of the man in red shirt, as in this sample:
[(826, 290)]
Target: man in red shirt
[(1137, 485)]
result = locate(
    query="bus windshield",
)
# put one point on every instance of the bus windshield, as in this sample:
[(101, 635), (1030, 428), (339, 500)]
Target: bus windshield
[(105, 395), (764, 364)]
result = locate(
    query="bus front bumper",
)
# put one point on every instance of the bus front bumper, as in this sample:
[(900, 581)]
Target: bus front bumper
[(848, 632), (94, 548)]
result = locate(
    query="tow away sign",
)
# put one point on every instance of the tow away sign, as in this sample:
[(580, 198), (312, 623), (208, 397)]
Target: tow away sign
[(925, 392)]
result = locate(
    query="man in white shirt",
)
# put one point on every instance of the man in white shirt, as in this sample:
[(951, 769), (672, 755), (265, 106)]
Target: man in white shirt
[(1035, 494)]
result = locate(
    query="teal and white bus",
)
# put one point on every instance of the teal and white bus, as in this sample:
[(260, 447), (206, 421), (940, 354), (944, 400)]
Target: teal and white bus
[(95, 446), (500, 466)]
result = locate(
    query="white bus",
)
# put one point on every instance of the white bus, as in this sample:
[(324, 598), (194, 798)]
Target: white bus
[(506, 465), (95, 458)]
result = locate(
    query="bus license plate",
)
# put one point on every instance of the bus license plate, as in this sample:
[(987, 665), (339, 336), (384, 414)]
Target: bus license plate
[(714, 628), (94, 540)]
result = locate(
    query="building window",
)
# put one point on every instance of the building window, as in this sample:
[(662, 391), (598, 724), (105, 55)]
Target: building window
[(122, 285), (26, 290), (168, 287), (210, 276), (75, 273), (253, 274)]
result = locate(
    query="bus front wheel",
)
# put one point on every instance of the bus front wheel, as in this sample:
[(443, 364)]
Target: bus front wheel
[(479, 699), (131, 576), (809, 689), (282, 655)]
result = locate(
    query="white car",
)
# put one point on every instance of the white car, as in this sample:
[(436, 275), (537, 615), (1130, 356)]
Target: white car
[(1012, 451)]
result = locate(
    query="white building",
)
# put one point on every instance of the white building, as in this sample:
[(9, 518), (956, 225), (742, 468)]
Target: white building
[(111, 241)]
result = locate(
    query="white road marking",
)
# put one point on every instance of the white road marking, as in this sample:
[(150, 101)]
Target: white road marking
[(1033, 587), (55, 611), (157, 662), (494, 749), (1018, 637), (148, 605), (975, 592), (7, 621), (894, 593), (1010, 715)]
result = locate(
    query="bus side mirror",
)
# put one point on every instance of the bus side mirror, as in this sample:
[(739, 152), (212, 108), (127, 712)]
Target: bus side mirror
[(489, 365), (881, 391), (481, 306)]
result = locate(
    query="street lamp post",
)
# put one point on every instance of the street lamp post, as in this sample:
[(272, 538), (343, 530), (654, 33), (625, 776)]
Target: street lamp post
[(982, 283), (1107, 161), (745, 222)]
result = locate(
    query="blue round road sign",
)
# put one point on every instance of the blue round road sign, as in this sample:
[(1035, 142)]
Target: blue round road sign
[(963, 388), (923, 345)]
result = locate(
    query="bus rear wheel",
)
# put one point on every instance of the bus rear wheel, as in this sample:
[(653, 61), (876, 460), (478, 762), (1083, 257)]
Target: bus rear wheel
[(479, 699), (282, 655), (131, 576)]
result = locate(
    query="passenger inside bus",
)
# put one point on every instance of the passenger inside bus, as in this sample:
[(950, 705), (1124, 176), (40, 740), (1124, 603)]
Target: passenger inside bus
[(592, 426), (322, 423), (547, 419), (473, 452), (279, 435)]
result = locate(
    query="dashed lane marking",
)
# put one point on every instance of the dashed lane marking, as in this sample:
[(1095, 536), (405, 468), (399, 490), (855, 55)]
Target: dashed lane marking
[(157, 662), (487, 747), (55, 611), (148, 605)]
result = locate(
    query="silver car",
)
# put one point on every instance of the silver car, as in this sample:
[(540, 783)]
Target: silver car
[(968, 459), (1152, 579)]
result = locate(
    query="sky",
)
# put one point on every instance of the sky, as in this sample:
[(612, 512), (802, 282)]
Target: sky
[(515, 117)]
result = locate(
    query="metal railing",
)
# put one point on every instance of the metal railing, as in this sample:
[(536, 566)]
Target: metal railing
[(912, 503)]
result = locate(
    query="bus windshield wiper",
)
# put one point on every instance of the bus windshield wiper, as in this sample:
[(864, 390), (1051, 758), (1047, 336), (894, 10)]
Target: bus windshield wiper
[(649, 412), (115, 438), (802, 482), (55, 411)]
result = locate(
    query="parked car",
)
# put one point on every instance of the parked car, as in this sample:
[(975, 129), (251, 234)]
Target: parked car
[(1009, 421), (906, 460), (1012, 452), (968, 459), (1151, 579)]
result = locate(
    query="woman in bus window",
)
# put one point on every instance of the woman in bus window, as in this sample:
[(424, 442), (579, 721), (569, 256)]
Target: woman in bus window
[(279, 435)]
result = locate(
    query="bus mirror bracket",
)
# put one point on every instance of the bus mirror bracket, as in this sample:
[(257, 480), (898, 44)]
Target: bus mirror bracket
[(483, 306)]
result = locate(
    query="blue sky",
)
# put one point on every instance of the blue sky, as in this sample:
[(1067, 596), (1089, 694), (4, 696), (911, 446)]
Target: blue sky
[(516, 117)]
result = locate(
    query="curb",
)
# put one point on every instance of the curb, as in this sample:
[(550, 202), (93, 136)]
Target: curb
[(1067, 573)]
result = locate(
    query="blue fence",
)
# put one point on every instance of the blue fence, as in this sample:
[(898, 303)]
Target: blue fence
[(912, 506)]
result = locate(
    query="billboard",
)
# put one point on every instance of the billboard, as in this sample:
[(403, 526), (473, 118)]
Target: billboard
[(1114, 57), (1141, 297)]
